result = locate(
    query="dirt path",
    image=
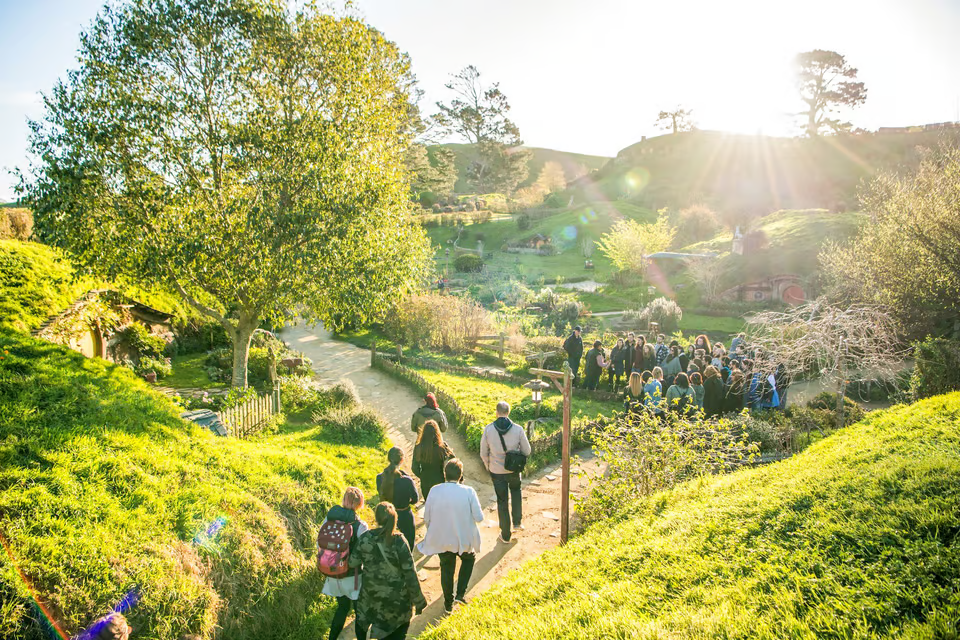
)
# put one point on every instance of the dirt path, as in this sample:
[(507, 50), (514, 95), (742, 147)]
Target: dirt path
[(333, 361)]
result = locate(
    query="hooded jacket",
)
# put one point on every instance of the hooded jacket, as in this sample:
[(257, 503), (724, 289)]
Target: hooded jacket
[(492, 452), (424, 413)]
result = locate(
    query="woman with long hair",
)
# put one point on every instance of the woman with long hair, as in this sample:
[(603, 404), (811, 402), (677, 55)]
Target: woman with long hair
[(633, 394), (736, 390), (397, 488), (429, 455), (713, 392), (680, 397), (390, 586), (702, 342), (618, 363), (429, 411)]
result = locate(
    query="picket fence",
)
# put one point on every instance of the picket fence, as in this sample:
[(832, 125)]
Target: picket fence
[(251, 417)]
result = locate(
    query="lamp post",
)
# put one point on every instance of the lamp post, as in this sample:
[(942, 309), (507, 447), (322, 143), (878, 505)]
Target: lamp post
[(566, 388), (537, 388)]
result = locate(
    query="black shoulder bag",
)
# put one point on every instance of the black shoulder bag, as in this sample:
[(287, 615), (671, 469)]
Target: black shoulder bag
[(513, 461)]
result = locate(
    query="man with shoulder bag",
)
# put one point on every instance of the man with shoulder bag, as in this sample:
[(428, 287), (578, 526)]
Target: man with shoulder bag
[(504, 450)]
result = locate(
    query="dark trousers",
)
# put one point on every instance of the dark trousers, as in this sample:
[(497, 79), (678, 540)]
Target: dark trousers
[(593, 380), (575, 366), (448, 563), (362, 627), (406, 526), (507, 485), (344, 604)]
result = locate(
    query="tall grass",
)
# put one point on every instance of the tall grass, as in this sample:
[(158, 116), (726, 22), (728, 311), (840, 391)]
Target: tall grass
[(857, 537), (104, 491)]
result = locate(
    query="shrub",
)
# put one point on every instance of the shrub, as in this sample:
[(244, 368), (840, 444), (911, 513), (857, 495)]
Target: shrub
[(664, 311), (468, 263), (937, 368), (158, 365), (298, 393), (428, 199), (199, 336), (450, 323), (827, 401), (16, 223), (469, 206), (343, 394), (696, 223), (351, 425), (645, 454), (143, 343), (523, 222)]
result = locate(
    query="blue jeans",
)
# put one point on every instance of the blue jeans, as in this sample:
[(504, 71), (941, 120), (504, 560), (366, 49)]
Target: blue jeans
[(507, 485)]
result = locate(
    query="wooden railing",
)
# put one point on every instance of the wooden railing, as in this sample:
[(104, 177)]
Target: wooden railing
[(251, 417)]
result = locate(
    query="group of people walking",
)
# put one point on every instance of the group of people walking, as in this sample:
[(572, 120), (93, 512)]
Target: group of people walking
[(372, 570), (662, 377)]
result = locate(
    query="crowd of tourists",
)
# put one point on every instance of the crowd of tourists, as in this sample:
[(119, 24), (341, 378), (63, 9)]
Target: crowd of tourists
[(657, 376)]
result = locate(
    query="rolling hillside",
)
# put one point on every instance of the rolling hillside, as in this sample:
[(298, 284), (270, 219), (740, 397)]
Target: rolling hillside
[(574, 164), (752, 175), (857, 537), (105, 493)]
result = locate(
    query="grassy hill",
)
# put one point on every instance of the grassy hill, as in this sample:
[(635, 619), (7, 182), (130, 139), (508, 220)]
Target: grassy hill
[(104, 491), (752, 174), (573, 164), (37, 281), (794, 238), (857, 537)]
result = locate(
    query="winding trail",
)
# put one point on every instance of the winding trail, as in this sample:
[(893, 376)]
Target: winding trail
[(334, 361)]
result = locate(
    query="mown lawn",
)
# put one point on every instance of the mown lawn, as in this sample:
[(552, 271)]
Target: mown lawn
[(856, 537), (479, 397), (189, 373), (104, 490)]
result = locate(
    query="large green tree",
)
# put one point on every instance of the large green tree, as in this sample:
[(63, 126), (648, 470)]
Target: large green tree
[(245, 154), (907, 256), (430, 171), (478, 115), (827, 82)]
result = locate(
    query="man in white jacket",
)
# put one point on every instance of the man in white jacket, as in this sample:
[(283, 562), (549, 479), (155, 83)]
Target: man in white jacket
[(500, 436), (451, 514)]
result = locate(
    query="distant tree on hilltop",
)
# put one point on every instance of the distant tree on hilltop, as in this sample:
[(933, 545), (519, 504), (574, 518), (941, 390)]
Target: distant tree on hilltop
[(478, 115), (677, 120), (827, 82)]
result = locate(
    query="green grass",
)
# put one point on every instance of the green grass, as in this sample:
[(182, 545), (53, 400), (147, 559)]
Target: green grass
[(479, 397), (857, 537), (713, 326), (103, 488), (35, 283), (189, 373), (566, 229)]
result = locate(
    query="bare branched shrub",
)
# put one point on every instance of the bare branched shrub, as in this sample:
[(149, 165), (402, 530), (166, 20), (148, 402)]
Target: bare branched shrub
[(21, 223), (645, 454), (703, 273), (830, 342), (446, 322)]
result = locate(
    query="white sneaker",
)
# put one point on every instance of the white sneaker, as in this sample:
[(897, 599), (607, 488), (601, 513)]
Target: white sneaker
[(519, 527), (500, 539)]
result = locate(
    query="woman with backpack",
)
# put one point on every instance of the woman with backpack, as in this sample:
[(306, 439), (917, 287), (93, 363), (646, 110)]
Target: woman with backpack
[(344, 587), (390, 586), (680, 397), (429, 455), (397, 488), (696, 383)]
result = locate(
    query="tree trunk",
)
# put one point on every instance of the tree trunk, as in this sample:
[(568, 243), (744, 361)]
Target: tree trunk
[(241, 351)]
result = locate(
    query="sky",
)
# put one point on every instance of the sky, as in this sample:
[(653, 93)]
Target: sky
[(590, 76)]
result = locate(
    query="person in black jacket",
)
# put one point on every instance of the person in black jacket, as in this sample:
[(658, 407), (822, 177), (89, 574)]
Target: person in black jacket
[(618, 363), (397, 488), (573, 345)]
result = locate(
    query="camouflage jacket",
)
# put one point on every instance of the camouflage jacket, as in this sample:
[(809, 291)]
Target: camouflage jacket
[(390, 587)]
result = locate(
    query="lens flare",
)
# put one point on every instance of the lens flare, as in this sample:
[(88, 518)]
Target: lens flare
[(208, 535), (44, 616), (569, 233), (636, 180)]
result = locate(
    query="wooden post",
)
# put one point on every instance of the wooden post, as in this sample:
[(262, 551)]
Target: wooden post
[(503, 340), (399, 354), (565, 479)]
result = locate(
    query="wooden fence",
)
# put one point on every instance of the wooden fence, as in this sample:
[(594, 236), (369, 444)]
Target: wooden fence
[(250, 418)]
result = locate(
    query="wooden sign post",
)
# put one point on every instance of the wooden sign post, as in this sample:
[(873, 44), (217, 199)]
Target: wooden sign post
[(566, 388)]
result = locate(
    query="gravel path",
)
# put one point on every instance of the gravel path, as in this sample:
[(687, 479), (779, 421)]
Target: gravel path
[(333, 361)]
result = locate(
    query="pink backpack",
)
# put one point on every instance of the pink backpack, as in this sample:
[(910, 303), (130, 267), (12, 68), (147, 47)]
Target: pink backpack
[(333, 548)]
